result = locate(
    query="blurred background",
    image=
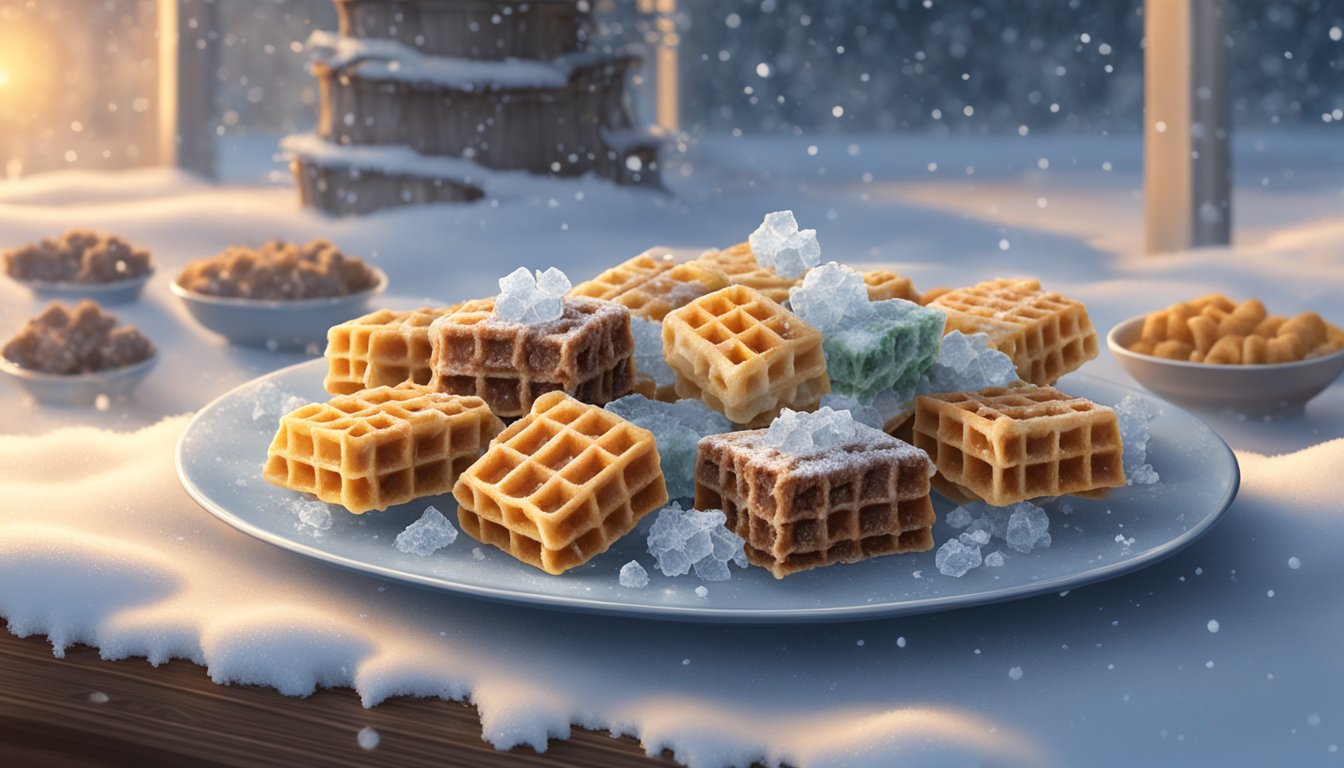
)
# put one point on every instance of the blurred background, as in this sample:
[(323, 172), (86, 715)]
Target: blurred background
[(79, 84)]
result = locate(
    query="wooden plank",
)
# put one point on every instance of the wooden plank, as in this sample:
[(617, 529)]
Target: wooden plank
[(1187, 141), (174, 715), (473, 29)]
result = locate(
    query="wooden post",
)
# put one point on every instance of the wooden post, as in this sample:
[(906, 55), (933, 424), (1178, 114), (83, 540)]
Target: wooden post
[(1187, 131), (666, 85), (669, 85), (188, 60)]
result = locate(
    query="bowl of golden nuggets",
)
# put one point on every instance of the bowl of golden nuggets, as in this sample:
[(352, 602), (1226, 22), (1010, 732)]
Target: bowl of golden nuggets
[(1216, 352)]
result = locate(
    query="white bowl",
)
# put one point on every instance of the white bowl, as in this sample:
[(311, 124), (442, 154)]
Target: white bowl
[(1245, 388), (277, 324), (117, 292), (79, 388)]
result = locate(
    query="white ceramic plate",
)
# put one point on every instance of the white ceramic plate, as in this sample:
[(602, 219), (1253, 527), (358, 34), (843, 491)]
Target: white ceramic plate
[(221, 453)]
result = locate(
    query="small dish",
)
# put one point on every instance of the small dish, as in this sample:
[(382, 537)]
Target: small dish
[(277, 325), (119, 292), (1247, 388), (79, 388)]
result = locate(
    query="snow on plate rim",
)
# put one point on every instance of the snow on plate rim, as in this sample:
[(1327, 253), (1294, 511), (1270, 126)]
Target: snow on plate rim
[(1219, 484)]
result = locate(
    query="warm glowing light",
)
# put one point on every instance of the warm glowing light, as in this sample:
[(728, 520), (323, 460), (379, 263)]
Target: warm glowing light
[(27, 73)]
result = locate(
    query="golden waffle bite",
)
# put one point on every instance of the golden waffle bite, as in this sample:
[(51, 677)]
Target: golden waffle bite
[(624, 277), (861, 500), (741, 268), (561, 484), (380, 447), (383, 348), (884, 285), (1047, 335), (1009, 444), (651, 284), (745, 355), (587, 353)]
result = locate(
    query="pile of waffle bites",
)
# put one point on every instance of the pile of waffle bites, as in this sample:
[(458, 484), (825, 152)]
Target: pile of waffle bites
[(421, 400)]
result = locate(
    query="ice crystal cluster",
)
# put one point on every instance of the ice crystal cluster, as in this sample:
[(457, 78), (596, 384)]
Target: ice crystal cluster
[(633, 576), (427, 535), (677, 429), (802, 434), (649, 360), (781, 246), (871, 346), (685, 539), (829, 295), (1134, 413), (1024, 527), (966, 363), (529, 298)]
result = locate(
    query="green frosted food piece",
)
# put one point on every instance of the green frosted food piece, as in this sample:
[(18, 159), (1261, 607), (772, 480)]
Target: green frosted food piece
[(887, 349)]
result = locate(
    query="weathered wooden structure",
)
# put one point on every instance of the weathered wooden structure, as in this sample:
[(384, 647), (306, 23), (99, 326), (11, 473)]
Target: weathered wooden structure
[(1187, 125), (504, 85)]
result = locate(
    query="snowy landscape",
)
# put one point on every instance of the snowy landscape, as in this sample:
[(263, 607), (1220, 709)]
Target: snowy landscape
[(120, 558), (1224, 652)]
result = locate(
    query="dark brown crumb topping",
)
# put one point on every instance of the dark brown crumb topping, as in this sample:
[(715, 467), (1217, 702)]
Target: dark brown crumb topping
[(78, 256), (80, 340), (279, 271)]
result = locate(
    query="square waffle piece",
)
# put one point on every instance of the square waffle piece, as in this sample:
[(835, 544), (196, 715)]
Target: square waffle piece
[(587, 353), (864, 499), (380, 447), (1047, 335), (745, 355), (883, 285), (380, 349), (652, 284), (561, 484), (1009, 444), (739, 264)]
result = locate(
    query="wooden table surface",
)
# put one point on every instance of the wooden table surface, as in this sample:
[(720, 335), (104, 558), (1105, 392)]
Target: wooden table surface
[(82, 711)]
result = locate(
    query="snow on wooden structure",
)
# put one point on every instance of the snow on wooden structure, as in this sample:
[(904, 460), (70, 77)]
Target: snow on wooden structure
[(492, 84)]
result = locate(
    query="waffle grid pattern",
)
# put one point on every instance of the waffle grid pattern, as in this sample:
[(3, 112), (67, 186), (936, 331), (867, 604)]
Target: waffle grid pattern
[(560, 485), (623, 277), (795, 514), (741, 267), (883, 285), (1046, 334), (1006, 445), (380, 447), (650, 285), (383, 348), (587, 353), (745, 356)]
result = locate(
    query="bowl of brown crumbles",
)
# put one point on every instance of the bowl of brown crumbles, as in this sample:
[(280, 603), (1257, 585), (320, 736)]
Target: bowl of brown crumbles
[(279, 296), (81, 264), (74, 355)]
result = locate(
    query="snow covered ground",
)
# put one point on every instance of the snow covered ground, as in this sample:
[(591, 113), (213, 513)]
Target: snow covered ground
[(98, 544)]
